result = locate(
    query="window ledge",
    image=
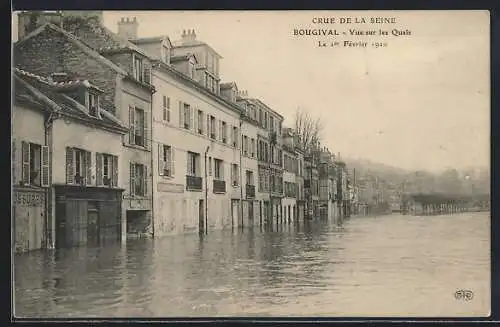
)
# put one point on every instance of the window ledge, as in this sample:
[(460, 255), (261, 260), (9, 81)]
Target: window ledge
[(138, 147)]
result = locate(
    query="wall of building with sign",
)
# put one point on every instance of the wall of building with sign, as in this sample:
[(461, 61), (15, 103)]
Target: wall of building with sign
[(28, 210)]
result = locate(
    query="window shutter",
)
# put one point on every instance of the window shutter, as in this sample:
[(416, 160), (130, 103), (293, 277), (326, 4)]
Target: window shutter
[(202, 126), (161, 162), (13, 160), (164, 108), (98, 166), (70, 175), (209, 131), (147, 75), (88, 164), (131, 122), (181, 115), (172, 161), (217, 134), (195, 121), (115, 171), (132, 179), (191, 119), (25, 146), (146, 129), (188, 168), (145, 181), (45, 166), (221, 134)]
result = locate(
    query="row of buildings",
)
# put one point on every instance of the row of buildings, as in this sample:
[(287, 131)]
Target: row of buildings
[(114, 135)]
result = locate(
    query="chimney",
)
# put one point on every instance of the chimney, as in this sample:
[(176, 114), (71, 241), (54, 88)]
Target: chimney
[(28, 21), (188, 37), (128, 27)]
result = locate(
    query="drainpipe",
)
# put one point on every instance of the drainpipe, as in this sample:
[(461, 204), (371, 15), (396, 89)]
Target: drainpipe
[(152, 164), (241, 175), (206, 191), (49, 233)]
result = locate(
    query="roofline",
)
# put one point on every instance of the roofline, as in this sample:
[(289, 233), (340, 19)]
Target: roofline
[(189, 82), (90, 51), (197, 45), (57, 108), (267, 107), (151, 39)]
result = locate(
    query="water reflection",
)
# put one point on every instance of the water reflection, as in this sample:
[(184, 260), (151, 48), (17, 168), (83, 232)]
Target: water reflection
[(388, 266)]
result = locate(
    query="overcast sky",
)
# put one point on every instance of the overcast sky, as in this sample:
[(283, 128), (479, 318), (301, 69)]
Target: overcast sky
[(421, 103)]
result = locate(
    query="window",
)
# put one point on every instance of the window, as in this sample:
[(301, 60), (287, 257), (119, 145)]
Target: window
[(138, 69), (35, 168), (212, 127), (271, 123), (138, 179), (166, 108), (165, 54), (78, 166), (200, 122), (138, 123), (187, 116), (106, 170), (209, 166), (191, 69), (235, 136), (245, 145), (235, 175), (265, 120), (249, 177), (165, 160), (224, 132), (93, 104), (193, 164), (252, 147), (260, 116), (219, 169)]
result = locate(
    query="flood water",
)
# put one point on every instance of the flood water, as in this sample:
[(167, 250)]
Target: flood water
[(371, 266)]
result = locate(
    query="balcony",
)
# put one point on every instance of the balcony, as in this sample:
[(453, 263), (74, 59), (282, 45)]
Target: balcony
[(250, 191), (219, 186), (194, 183)]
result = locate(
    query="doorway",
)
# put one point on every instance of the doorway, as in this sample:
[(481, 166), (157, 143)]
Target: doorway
[(92, 224), (250, 212), (201, 216)]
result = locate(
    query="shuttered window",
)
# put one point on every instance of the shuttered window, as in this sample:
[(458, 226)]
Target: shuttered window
[(106, 170), (138, 179), (138, 127), (35, 164), (166, 161), (78, 166), (166, 108), (200, 122)]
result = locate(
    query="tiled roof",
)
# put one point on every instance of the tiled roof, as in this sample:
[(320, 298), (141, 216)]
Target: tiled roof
[(181, 57), (89, 50), (227, 85), (43, 91), (98, 36)]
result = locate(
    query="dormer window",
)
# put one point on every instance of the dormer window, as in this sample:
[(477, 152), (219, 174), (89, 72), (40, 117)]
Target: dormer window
[(191, 69), (93, 104), (165, 54), (138, 68)]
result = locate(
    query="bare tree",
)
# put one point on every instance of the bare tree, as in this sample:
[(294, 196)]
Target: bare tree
[(308, 129)]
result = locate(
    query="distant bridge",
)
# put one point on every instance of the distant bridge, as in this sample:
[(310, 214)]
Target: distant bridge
[(441, 203)]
